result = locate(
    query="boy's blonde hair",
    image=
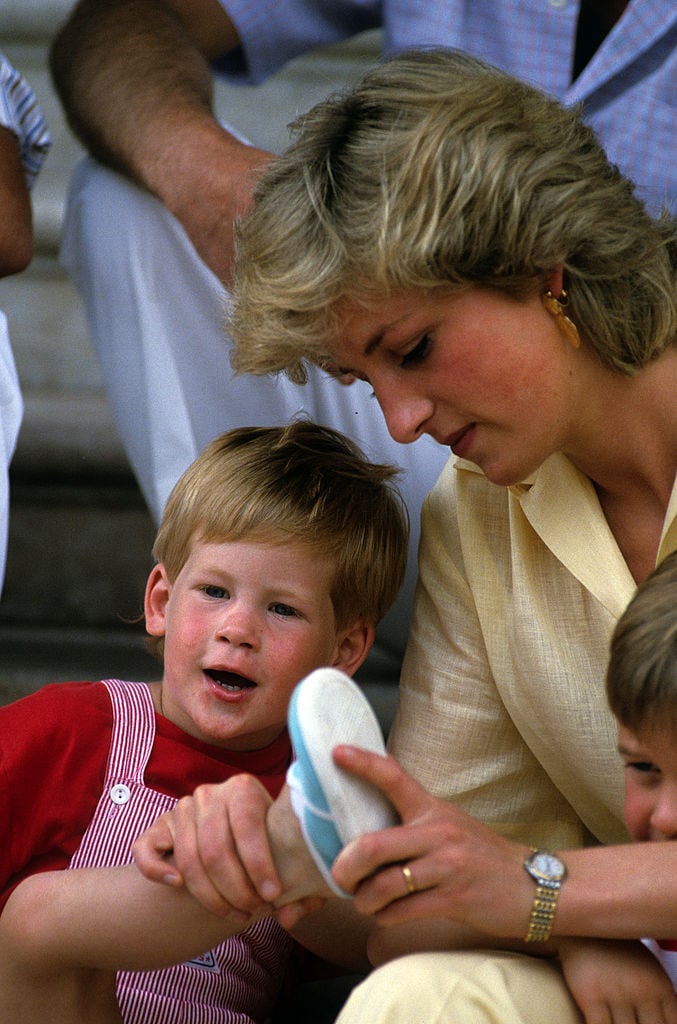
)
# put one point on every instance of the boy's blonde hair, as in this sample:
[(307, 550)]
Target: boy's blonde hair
[(642, 673), (302, 483), (440, 172)]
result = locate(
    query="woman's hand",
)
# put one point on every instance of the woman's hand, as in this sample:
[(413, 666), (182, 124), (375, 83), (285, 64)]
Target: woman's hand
[(236, 851), (218, 844), (439, 863)]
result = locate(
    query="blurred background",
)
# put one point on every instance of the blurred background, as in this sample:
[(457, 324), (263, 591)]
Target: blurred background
[(80, 534)]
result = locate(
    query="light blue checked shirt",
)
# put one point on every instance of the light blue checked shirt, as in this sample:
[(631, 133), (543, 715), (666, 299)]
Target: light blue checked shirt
[(19, 111), (628, 90)]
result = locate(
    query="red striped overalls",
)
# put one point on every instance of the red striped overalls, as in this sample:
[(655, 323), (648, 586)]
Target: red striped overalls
[(236, 983)]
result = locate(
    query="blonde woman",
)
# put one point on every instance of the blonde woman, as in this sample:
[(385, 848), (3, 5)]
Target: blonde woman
[(460, 244)]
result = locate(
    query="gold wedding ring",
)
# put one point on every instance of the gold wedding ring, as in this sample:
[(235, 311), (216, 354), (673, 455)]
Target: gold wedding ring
[(409, 881)]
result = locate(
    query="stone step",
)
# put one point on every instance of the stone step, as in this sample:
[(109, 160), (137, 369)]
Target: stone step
[(69, 435), (33, 656), (80, 535), (77, 555)]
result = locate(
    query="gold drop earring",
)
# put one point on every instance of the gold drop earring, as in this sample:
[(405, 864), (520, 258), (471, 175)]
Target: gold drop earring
[(556, 306)]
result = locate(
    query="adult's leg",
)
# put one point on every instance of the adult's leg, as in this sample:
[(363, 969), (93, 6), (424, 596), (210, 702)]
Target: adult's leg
[(156, 316), (11, 410), (462, 988)]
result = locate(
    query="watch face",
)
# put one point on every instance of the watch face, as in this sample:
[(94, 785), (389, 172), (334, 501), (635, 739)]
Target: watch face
[(548, 866)]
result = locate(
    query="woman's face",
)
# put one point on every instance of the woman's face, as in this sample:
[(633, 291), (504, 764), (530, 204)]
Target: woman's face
[(490, 376)]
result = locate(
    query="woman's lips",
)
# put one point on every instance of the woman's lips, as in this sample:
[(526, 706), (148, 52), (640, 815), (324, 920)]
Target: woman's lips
[(461, 441)]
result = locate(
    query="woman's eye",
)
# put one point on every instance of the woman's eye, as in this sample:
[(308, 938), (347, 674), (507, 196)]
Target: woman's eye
[(213, 591), (418, 353), (282, 609)]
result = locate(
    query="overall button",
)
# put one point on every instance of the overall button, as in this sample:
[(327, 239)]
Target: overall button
[(120, 793)]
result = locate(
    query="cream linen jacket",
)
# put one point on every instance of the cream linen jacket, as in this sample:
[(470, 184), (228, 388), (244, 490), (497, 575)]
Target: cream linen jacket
[(502, 704)]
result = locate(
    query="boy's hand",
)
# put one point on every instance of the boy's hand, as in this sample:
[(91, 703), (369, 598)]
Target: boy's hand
[(615, 982), (219, 849)]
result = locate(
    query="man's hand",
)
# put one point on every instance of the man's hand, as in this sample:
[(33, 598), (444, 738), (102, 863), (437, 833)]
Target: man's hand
[(207, 193)]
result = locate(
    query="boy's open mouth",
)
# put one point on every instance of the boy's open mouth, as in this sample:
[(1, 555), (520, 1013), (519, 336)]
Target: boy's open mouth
[(230, 680)]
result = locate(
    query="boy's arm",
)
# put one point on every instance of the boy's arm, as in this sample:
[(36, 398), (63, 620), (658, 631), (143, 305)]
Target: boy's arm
[(615, 982), (105, 919)]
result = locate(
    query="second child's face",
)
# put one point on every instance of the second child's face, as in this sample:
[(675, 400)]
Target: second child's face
[(243, 623), (650, 784)]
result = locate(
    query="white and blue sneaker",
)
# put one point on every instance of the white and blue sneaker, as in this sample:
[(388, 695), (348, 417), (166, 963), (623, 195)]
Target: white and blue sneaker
[(333, 807)]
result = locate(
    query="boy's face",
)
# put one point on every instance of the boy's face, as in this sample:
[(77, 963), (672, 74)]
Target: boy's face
[(650, 783), (243, 623)]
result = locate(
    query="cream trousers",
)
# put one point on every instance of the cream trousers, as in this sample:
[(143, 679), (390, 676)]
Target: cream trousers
[(462, 988)]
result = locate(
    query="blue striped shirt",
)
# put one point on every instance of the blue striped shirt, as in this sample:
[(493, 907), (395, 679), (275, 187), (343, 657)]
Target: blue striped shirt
[(19, 111), (628, 89)]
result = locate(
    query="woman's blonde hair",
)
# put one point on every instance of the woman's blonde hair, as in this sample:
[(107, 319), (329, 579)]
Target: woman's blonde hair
[(438, 171), (300, 483)]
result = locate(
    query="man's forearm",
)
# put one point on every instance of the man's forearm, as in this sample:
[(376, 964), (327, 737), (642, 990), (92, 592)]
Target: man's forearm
[(136, 85), (16, 224), (126, 71)]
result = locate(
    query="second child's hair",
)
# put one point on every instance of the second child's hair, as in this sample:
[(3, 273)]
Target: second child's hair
[(642, 672), (302, 483)]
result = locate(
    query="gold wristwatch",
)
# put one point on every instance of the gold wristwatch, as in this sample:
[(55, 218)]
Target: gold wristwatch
[(548, 872)]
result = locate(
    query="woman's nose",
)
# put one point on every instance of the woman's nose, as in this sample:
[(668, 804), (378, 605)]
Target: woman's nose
[(406, 413)]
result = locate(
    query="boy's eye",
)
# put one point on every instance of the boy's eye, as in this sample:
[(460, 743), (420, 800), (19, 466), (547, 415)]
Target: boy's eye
[(418, 353), (646, 768), (282, 609), (211, 590)]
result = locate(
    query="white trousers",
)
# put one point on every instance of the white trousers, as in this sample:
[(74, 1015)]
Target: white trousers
[(156, 319), (462, 988), (11, 412)]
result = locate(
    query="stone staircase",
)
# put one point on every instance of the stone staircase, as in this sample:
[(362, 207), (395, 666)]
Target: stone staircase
[(80, 534)]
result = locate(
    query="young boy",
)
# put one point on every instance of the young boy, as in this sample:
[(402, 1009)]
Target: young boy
[(279, 550), (642, 693)]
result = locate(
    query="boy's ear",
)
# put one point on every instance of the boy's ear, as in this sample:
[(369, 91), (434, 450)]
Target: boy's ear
[(158, 589), (353, 647)]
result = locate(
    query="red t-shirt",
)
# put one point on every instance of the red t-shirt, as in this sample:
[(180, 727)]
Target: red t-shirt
[(54, 748)]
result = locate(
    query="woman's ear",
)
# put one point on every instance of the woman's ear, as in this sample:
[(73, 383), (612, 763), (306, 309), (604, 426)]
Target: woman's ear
[(158, 589), (353, 647), (555, 280)]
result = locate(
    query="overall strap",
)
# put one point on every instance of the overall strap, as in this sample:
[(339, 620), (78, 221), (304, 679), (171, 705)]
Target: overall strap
[(133, 730)]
